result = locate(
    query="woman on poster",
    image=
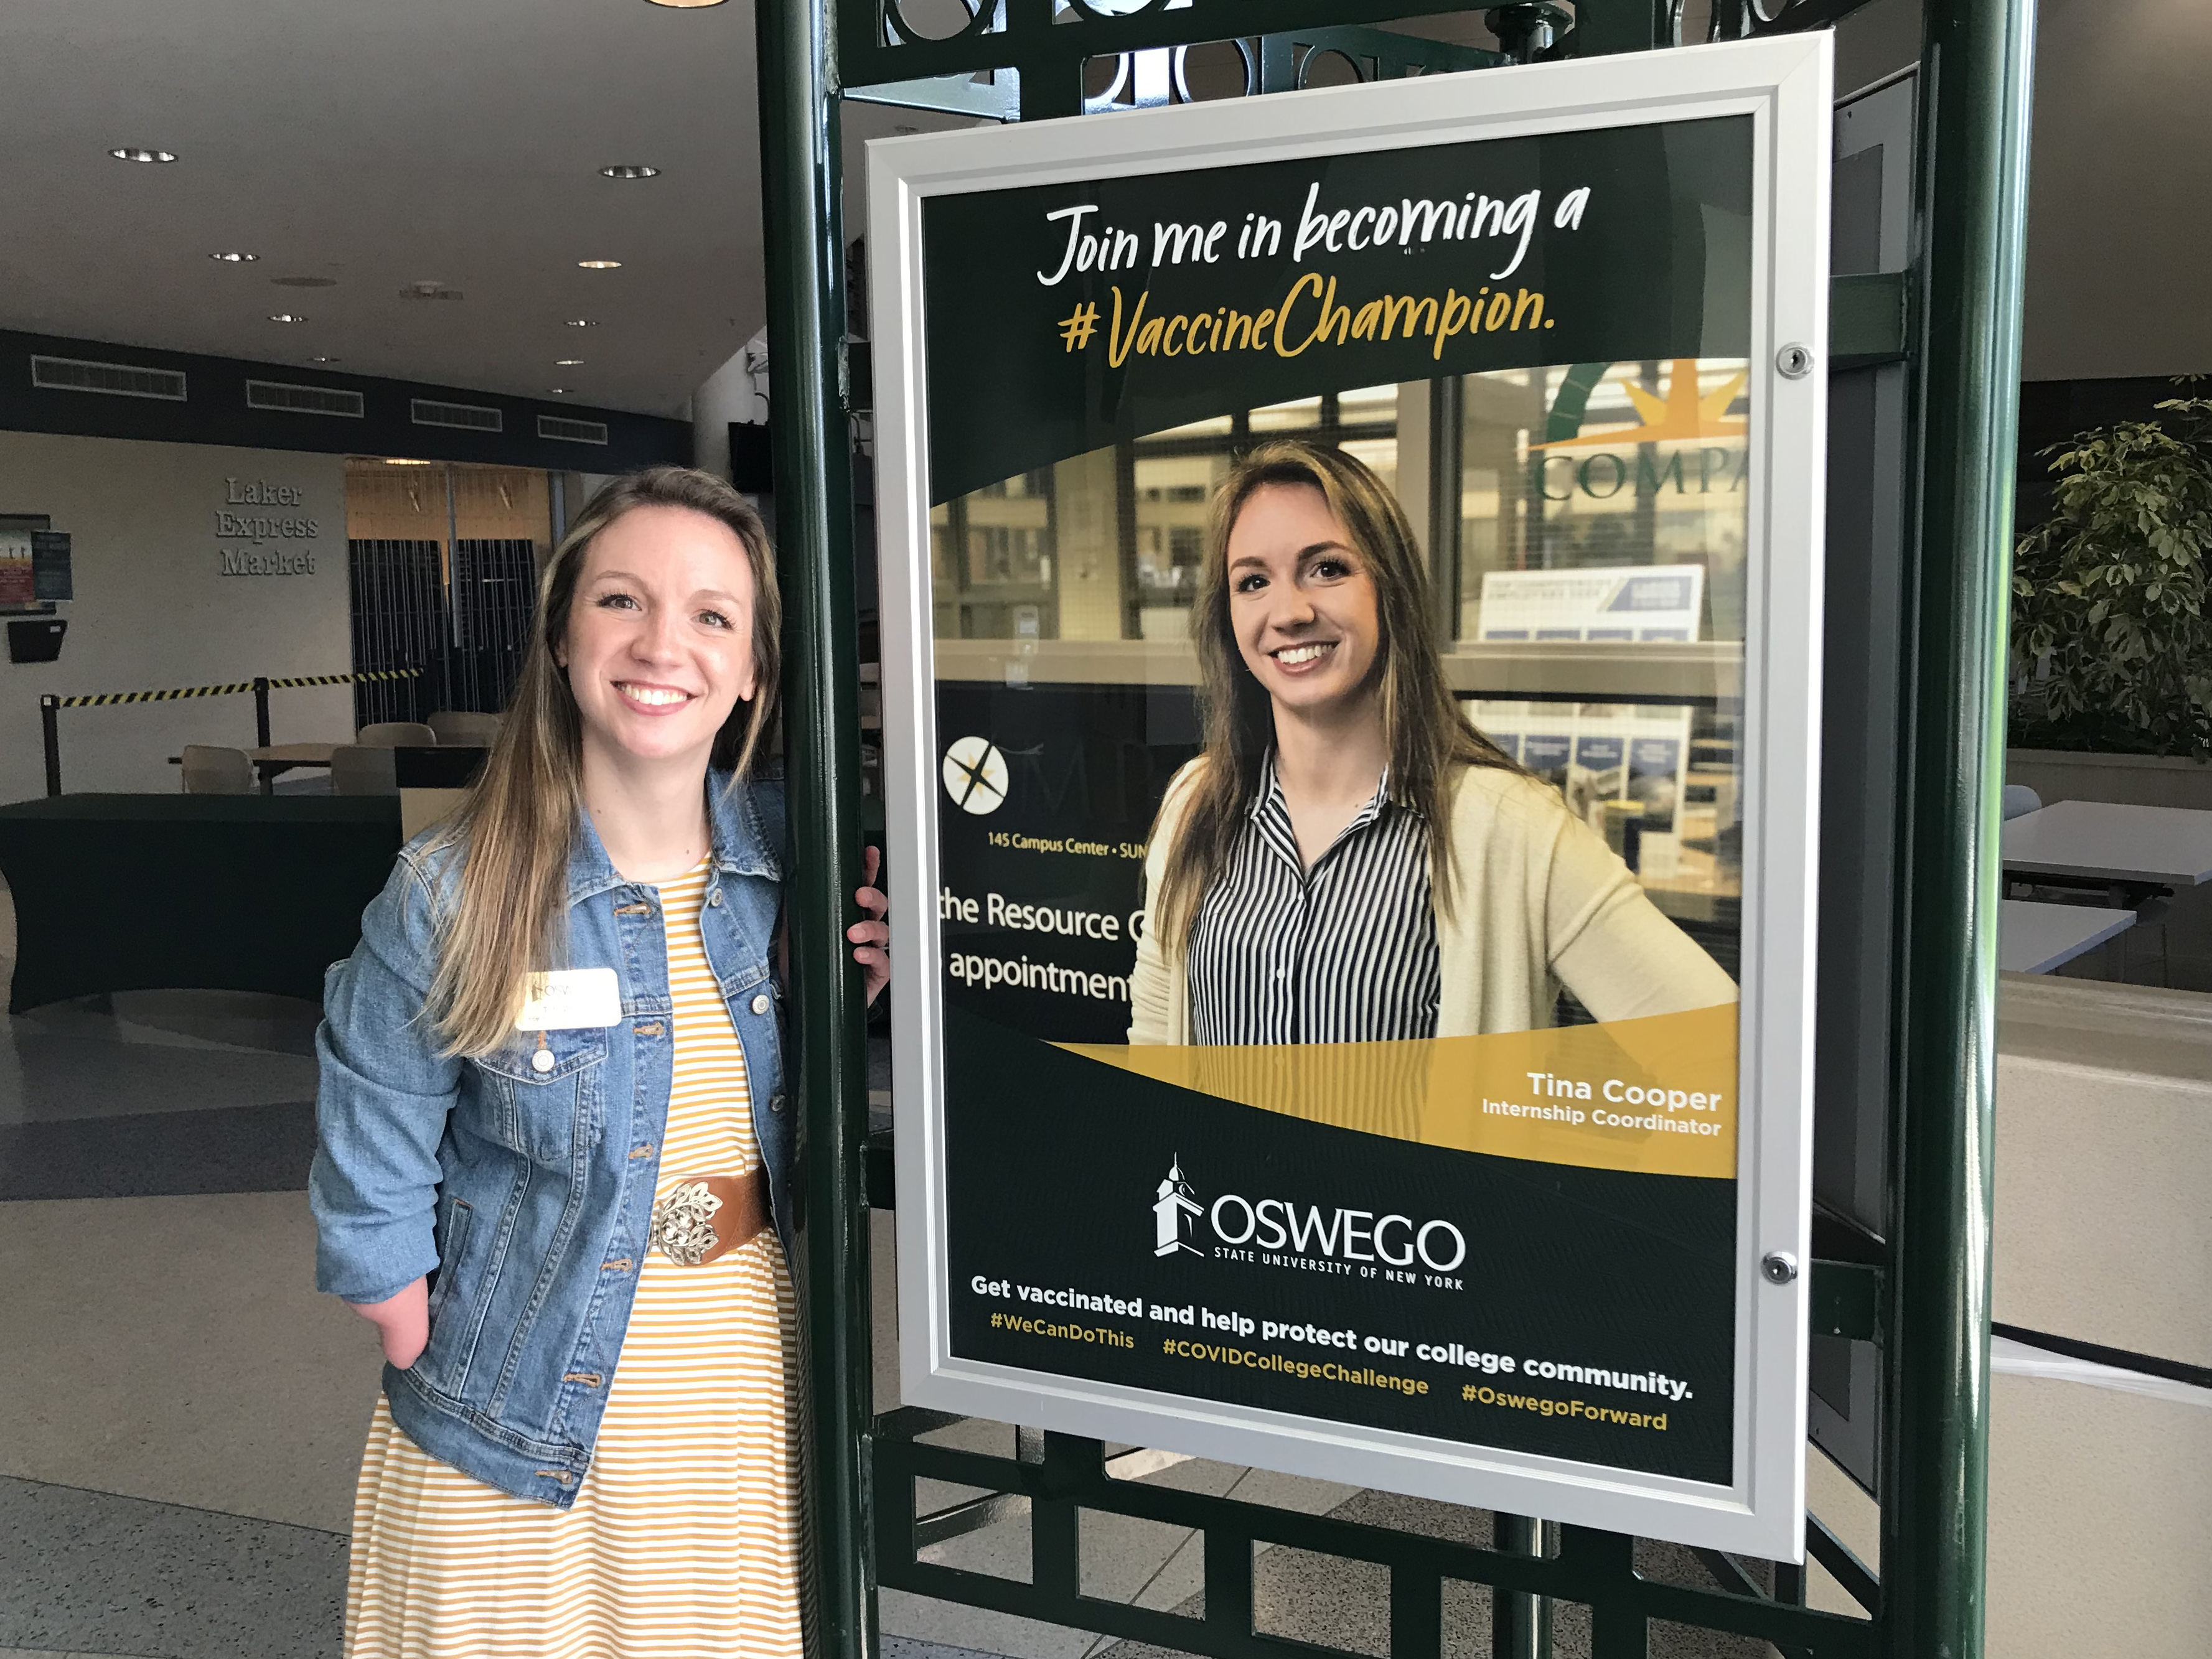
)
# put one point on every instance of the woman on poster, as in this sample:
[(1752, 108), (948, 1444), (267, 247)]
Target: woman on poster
[(1349, 860), (555, 1166)]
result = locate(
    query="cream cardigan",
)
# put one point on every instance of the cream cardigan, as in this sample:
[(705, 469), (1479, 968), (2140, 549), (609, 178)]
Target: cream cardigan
[(1540, 901)]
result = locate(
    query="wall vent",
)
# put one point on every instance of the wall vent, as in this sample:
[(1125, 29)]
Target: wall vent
[(568, 431), (468, 417), (304, 399), (110, 380)]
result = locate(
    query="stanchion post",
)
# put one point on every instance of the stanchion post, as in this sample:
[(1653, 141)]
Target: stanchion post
[(803, 241), (50, 728), (261, 710), (1976, 63)]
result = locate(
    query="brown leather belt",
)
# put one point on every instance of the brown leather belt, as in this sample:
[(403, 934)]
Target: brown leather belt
[(703, 1218)]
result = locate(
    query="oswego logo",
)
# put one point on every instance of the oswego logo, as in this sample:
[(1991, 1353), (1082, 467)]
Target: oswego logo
[(975, 775), (1280, 1233), (1175, 1213)]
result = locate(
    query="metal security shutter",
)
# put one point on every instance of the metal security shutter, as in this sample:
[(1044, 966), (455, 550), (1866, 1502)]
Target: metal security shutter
[(399, 621), (495, 592)]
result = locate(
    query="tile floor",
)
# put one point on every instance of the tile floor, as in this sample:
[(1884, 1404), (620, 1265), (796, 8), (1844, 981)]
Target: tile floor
[(181, 1415)]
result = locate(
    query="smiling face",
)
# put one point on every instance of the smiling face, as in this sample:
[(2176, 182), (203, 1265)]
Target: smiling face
[(1301, 604), (658, 647)]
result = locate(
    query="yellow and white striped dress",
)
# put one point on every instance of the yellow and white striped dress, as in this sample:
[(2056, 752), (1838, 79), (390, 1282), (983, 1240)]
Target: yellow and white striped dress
[(687, 1537)]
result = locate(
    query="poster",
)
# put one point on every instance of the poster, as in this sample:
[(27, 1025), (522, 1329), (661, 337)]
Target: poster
[(50, 565), (1439, 1148), (1652, 603), (17, 583)]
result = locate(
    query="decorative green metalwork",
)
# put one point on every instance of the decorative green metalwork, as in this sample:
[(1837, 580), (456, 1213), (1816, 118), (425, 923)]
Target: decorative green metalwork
[(1977, 65), (1869, 319), (1025, 59), (1044, 45), (802, 196), (1592, 1567), (1957, 320)]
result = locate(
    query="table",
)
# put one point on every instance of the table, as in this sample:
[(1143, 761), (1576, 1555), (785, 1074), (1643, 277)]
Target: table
[(283, 756), (2101, 843), (2035, 938), (218, 892), (276, 757)]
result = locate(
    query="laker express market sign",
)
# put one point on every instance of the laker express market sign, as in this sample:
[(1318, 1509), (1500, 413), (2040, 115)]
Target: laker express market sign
[(1490, 1258), (265, 520)]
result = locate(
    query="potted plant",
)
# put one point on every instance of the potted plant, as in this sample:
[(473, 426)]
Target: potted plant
[(2111, 643)]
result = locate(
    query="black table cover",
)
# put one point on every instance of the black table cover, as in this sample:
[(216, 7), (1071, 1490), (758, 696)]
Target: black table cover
[(215, 892)]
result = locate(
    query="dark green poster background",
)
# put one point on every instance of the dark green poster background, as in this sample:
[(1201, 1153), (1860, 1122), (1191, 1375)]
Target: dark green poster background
[(1054, 1164), (1023, 372), (1107, 1226), (1086, 768)]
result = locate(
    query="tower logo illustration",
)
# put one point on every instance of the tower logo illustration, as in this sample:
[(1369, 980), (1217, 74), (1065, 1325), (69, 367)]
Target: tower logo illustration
[(1175, 1213)]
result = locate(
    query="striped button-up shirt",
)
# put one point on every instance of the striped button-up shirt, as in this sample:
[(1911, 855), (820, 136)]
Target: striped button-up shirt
[(1343, 952)]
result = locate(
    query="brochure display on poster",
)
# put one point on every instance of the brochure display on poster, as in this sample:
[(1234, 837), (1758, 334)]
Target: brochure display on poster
[(1449, 1133)]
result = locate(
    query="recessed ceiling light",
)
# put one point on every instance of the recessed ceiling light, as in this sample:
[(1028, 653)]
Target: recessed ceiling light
[(625, 170), (599, 265), (567, 363), (581, 322), (326, 360), (684, 5), (393, 460), (286, 317), (233, 258), (134, 153), (558, 390)]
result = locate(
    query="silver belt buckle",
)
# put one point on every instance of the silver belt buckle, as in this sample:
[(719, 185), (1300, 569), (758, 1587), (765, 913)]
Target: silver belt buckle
[(682, 1224)]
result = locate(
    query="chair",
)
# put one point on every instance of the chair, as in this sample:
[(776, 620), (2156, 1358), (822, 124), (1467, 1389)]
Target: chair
[(391, 734), (364, 769), (212, 770), (465, 730), (2020, 801)]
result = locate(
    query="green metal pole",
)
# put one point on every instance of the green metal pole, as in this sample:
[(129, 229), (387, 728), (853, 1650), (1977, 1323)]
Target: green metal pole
[(1977, 66), (1520, 1624), (803, 241)]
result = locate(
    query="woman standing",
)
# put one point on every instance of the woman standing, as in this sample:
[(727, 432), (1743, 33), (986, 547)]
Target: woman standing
[(556, 1163), (1348, 860)]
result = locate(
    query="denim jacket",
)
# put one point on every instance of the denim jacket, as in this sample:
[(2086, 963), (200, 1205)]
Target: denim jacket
[(527, 1194)]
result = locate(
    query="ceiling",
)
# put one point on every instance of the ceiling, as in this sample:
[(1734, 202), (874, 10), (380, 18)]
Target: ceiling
[(392, 143), (385, 144)]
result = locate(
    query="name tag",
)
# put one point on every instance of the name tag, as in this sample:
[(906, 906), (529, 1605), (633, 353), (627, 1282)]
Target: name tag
[(572, 999)]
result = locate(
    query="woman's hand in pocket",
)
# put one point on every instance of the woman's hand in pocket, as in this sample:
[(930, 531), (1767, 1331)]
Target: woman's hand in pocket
[(403, 1321)]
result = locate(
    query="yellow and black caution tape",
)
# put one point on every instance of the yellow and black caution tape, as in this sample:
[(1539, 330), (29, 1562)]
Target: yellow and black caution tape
[(347, 679), (101, 699)]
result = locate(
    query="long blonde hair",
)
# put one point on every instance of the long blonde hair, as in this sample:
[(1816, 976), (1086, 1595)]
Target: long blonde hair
[(1429, 739), (516, 830)]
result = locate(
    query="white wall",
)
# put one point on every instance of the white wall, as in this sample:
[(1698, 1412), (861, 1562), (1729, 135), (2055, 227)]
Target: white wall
[(731, 392), (154, 610), (2117, 237)]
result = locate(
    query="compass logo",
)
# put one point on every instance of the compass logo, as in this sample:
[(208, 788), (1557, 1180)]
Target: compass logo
[(975, 775)]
